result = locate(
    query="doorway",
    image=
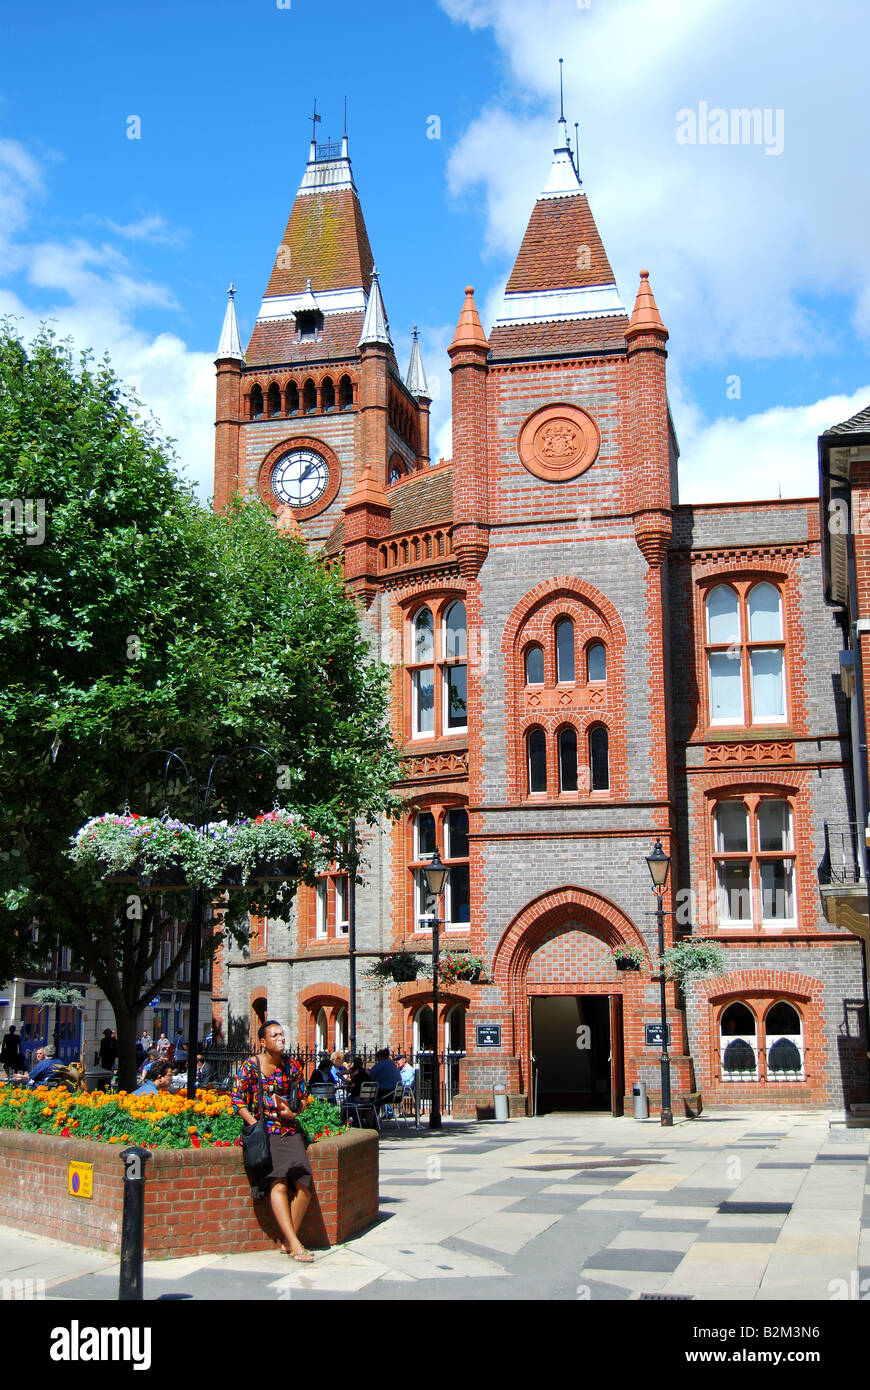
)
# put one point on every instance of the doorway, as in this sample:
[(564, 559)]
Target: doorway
[(577, 1052)]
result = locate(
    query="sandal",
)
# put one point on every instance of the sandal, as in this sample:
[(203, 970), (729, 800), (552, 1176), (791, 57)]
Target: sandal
[(304, 1257)]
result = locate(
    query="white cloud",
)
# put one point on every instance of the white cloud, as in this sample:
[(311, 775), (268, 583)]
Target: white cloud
[(93, 293), (735, 240), (154, 229), (766, 455)]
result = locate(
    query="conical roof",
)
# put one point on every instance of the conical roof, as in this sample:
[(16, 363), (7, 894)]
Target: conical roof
[(415, 377), (645, 317), (469, 329), (375, 328), (561, 294), (324, 255), (230, 344)]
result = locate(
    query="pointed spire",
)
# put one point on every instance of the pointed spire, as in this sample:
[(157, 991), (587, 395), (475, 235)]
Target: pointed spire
[(645, 317), (469, 329), (285, 521), (369, 491), (230, 344), (415, 377), (375, 328)]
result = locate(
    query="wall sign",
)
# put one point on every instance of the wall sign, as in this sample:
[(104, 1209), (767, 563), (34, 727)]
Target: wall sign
[(81, 1179), (654, 1034), (488, 1034)]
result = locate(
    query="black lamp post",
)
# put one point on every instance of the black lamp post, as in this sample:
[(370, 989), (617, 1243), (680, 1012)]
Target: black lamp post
[(659, 864), (435, 876)]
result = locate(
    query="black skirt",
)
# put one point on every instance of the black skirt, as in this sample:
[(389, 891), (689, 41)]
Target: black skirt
[(289, 1161)]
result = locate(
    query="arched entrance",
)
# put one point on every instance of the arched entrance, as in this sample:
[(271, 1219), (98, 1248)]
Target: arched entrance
[(568, 1000)]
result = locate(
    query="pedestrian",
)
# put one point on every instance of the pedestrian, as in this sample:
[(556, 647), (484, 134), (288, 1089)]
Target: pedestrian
[(108, 1049), (159, 1080), (11, 1056), (163, 1045), (280, 1082)]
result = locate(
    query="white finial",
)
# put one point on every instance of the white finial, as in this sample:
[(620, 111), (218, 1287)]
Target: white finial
[(230, 345)]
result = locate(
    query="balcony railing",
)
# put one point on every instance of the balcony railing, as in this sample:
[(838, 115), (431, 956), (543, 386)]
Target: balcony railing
[(841, 862)]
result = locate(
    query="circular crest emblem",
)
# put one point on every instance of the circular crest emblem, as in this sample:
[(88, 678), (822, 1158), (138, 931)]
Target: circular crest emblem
[(558, 442)]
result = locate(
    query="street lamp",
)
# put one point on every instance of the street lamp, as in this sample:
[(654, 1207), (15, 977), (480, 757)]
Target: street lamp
[(659, 863), (435, 876)]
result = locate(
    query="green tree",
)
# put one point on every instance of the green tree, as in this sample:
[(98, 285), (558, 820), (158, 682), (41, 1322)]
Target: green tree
[(142, 620)]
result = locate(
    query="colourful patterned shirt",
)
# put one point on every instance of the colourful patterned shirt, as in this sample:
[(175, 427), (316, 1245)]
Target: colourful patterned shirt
[(278, 1084)]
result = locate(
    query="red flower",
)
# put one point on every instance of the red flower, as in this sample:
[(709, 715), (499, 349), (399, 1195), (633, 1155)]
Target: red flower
[(194, 1143), (65, 1134)]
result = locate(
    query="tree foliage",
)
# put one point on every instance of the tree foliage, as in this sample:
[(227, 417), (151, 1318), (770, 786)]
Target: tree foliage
[(143, 621)]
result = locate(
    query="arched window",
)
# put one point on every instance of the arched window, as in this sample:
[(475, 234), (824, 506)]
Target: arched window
[(599, 759), (534, 662), (423, 673), (291, 398), (737, 1044), (536, 760), (345, 393), (568, 760), (256, 402), (455, 1029), (448, 833), (341, 1030), (746, 654), (274, 399), (767, 662), (327, 394), (455, 668), (565, 651), (784, 1042), (424, 1029), (724, 666), (596, 662), (321, 1033), (309, 397)]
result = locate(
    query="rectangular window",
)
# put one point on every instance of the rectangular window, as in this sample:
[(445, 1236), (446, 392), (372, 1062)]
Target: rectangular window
[(732, 828), (455, 697), (768, 685), (457, 834), (777, 890), (726, 694), (457, 904), (424, 831), (426, 903), (320, 908), (342, 922), (423, 682), (735, 898)]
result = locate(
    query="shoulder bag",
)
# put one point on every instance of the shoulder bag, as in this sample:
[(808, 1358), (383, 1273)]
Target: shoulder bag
[(256, 1150)]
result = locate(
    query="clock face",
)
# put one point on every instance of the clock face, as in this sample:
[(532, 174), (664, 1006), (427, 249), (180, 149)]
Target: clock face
[(300, 478)]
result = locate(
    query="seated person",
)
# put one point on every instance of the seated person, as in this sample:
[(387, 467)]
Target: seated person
[(338, 1070), (322, 1074), (160, 1080), (358, 1075), (406, 1071), (45, 1066), (204, 1072), (385, 1073), (151, 1060)]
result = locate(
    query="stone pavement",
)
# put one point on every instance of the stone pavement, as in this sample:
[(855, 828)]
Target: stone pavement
[(751, 1205)]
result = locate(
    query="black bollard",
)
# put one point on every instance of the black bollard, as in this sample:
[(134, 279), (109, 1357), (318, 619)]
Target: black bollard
[(133, 1224)]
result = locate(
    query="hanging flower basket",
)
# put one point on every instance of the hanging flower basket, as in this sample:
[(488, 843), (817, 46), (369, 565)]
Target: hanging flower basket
[(111, 845), (277, 847), (168, 879), (401, 967), (459, 965), (693, 958), (628, 957), (274, 870)]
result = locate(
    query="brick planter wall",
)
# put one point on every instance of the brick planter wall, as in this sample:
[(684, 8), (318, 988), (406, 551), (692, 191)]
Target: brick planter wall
[(197, 1201)]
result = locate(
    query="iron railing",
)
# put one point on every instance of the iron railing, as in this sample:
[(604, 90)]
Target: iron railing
[(841, 862), (227, 1060)]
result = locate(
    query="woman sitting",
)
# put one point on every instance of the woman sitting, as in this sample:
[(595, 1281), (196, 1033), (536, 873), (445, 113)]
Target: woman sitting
[(279, 1077)]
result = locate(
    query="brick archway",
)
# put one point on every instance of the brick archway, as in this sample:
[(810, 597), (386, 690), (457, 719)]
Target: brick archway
[(548, 916)]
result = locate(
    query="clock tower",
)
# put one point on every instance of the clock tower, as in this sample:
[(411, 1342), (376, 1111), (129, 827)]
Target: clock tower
[(316, 401)]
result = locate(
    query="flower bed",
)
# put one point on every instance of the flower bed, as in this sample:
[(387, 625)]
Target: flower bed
[(197, 1202), (161, 1121)]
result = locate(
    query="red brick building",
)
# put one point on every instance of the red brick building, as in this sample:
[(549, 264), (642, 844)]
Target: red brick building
[(581, 665)]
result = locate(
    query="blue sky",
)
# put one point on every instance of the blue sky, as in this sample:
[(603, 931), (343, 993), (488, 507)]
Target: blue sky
[(760, 262)]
